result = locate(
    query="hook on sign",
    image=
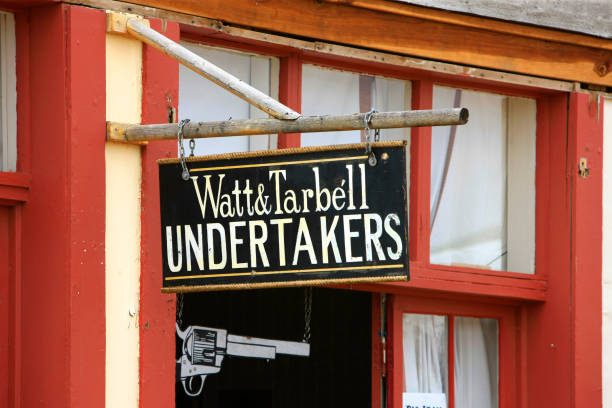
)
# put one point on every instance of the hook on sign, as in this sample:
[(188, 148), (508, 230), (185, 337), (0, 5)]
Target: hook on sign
[(367, 119)]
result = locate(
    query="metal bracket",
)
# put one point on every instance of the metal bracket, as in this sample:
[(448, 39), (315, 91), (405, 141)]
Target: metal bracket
[(583, 169), (116, 23)]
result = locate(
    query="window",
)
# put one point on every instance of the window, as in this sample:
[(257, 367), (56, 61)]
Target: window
[(202, 100), (326, 91), (483, 183), (474, 363), (453, 353), (8, 101)]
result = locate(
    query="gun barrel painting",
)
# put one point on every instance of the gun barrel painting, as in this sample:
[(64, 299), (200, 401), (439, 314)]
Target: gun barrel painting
[(286, 218), (204, 348)]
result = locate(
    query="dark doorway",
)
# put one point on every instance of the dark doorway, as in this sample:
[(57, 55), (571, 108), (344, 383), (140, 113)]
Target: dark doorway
[(337, 373)]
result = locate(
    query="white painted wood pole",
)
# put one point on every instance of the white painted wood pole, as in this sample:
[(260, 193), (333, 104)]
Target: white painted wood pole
[(210, 71), (328, 123)]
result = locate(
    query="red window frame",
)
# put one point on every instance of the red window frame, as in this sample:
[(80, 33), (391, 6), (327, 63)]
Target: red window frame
[(525, 305), (507, 346)]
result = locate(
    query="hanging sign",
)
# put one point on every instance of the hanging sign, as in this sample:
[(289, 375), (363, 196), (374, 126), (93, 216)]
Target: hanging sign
[(279, 218)]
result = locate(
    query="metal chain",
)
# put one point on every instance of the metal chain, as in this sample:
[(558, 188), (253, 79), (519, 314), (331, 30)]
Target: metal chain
[(367, 121), (307, 313), (191, 147), (179, 310), (185, 173)]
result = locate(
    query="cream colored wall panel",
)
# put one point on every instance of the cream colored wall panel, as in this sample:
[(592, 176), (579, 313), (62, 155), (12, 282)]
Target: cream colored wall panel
[(123, 79), (123, 183)]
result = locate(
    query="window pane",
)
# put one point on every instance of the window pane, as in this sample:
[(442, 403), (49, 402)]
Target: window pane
[(8, 90), (327, 91), (425, 354), (483, 183), (202, 100), (476, 363)]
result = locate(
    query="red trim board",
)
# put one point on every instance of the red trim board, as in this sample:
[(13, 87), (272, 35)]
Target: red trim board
[(160, 81)]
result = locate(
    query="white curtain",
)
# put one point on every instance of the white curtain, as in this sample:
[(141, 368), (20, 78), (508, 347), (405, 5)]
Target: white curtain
[(476, 360), (470, 206), (425, 356), (203, 100), (483, 182), (325, 92), (328, 91), (476, 363)]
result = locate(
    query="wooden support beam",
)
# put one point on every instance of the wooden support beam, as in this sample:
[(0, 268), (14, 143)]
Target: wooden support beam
[(383, 120), (210, 71)]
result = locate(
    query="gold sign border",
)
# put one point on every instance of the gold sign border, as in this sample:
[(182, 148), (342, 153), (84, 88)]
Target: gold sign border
[(282, 152), (284, 284)]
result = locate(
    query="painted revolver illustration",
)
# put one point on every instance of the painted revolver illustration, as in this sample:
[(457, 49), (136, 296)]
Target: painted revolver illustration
[(203, 350)]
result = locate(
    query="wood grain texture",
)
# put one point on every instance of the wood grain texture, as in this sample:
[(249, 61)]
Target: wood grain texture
[(508, 27), (380, 120), (588, 17), (408, 35), (215, 33)]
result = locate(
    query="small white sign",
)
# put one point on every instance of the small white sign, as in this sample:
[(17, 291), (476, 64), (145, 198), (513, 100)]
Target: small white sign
[(423, 400)]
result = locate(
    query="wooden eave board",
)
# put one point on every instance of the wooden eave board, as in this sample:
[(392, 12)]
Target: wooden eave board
[(588, 17), (521, 51)]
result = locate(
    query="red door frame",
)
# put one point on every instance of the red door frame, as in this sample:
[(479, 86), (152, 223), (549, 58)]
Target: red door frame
[(550, 360), (160, 82), (57, 323)]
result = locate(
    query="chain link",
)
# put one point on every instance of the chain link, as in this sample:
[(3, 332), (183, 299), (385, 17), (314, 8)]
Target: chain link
[(191, 147), (307, 313), (185, 173), (367, 119), (179, 310)]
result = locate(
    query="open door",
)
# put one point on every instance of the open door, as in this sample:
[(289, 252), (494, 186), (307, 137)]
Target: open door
[(336, 373)]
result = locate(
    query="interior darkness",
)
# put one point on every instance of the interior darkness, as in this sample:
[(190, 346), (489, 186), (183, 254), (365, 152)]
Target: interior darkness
[(337, 373)]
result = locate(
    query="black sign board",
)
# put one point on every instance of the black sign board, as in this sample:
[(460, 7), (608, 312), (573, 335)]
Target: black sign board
[(278, 218)]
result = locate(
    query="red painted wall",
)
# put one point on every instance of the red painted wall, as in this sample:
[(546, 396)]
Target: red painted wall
[(157, 311), (586, 134), (5, 375), (63, 312)]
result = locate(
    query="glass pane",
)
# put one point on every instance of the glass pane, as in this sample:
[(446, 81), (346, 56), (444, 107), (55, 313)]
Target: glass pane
[(476, 363), (425, 355), (202, 100), (8, 90), (327, 91), (483, 183)]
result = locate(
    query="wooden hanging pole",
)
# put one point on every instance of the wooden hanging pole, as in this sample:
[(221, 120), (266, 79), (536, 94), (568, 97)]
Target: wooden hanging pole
[(379, 120), (210, 71)]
